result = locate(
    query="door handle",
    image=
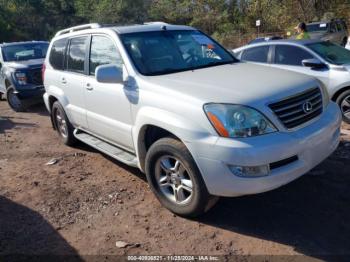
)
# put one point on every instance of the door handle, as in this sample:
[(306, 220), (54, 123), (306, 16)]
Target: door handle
[(63, 80), (89, 87)]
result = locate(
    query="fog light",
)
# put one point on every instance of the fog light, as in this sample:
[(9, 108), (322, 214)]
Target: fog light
[(250, 171)]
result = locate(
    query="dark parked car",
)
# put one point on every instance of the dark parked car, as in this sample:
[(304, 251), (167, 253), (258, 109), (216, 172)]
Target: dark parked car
[(21, 80), (335, 31)]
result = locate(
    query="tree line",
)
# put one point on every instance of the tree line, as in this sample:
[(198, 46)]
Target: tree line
[(223, 19)]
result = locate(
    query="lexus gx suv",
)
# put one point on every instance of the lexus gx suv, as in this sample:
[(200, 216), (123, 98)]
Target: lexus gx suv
[(173, 102)]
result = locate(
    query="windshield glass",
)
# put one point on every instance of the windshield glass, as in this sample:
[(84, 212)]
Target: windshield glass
[(332, 53), (165, 52), (321, 27), (22, 52)]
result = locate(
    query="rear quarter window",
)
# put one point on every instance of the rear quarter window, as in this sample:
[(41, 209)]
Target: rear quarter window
[(57, 52)]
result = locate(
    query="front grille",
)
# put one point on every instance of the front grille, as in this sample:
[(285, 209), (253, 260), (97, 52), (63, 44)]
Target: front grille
[(299, 109), (35, 77)]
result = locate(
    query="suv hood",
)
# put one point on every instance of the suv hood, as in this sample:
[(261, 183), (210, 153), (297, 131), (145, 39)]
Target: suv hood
[(238, 83), (27, 64)]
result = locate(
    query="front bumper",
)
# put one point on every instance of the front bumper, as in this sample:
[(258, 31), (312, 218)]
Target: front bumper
[(311, 144), (32, 95)]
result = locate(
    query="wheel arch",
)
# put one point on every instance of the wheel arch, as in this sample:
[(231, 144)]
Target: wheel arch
[(339, 92), (149, 134), (152, 124)]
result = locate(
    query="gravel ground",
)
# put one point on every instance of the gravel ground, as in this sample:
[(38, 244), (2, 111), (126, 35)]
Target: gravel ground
[(86, 202)]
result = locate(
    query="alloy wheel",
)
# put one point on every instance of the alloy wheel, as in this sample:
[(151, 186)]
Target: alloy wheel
[(345, 107), (61, 123), (174, 180)]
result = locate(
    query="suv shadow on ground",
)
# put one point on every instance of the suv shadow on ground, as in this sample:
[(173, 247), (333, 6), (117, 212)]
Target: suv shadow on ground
[(6, 124), (311, 214), (24, 233)]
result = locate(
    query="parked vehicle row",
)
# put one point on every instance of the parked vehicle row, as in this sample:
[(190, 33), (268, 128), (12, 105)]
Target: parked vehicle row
[(173, 102), (20, 73), (328, 62)]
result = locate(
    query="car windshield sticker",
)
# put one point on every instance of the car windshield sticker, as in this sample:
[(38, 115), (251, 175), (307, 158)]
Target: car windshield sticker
[(323, 25)]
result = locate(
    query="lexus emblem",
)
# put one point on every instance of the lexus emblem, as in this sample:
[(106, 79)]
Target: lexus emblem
[(307, 107)]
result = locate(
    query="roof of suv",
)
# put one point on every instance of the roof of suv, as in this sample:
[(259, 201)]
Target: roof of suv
[(326, 21), (124, 29), (157, 26), (23, 42)]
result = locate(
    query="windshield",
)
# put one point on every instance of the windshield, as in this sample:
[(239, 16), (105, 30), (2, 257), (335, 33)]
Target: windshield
[(165, 52), (22, 52), (332, 53), (321, 27)]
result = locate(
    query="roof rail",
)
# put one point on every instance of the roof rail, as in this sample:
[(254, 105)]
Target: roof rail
[(155, 23), (78, 28)]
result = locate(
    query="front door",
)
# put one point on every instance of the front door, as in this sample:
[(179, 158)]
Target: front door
[(290, 58), (107, 105)]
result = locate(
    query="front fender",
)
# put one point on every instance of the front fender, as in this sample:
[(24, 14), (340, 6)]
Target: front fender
[(183, 128)]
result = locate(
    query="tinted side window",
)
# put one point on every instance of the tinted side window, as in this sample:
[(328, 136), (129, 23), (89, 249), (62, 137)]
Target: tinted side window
[(339, 26), (345, 26), (102, 52), (56, 58), (76, 54), (256, 54), (290, 55)]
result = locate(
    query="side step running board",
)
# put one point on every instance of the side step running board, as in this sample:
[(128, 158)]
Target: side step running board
[(107, 148)]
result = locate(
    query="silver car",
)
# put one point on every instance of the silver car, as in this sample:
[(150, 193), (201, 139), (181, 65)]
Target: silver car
[(328, 62), (171, 101)]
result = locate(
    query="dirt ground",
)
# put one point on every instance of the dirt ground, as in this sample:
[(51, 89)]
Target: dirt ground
[(86, 202)]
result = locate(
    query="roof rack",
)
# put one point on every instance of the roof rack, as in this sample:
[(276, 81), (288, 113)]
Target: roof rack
[(78, 28), (155, 23)]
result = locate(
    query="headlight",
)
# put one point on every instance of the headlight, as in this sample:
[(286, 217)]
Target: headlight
[(21, 78), (237, 120)]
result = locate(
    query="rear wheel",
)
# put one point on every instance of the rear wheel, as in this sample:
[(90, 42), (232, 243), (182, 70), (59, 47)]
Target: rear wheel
[(13, 100), (344, 103), (62, 125), (175, 179)]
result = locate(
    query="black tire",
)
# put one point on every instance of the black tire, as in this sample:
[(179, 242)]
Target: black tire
[(199, 200), (61, 122), (2, 97), (343, 101), (12, 99)]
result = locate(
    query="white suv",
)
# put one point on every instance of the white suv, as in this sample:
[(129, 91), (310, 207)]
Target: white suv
[(171, 101)]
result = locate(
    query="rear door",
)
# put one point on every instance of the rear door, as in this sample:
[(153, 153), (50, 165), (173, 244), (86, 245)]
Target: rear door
[(71, 79), (108, 105), (290, 57), (257, 55)]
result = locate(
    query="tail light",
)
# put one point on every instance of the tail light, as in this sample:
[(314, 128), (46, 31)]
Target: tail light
[(43, 68)]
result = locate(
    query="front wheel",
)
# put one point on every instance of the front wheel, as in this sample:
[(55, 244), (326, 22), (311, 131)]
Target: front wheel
[(13, 100), (344, 103), (175, 179)]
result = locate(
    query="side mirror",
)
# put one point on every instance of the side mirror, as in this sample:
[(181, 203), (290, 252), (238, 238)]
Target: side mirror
[(111, 74), (313, 63)]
